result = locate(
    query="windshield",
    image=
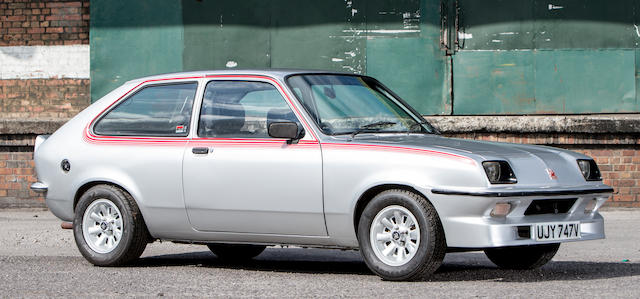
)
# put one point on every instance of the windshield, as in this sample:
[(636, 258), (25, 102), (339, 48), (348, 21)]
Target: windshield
[(344, 104)]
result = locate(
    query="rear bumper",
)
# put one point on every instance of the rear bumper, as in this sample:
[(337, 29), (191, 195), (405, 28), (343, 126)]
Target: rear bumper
[(468, 223), (39, 187)]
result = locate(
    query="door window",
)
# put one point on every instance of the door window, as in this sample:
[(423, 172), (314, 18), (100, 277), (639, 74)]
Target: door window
[(160, 110), (242, 109)]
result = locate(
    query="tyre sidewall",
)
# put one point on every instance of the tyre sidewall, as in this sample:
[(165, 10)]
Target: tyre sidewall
[(427, 236), (117, 198)]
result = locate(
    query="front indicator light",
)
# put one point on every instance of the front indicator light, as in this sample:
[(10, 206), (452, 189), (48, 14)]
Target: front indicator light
[(591, 206), (501, 209)]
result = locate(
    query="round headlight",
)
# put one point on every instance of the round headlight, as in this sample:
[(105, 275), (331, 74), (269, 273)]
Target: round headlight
[(493, 170), (585, 168)]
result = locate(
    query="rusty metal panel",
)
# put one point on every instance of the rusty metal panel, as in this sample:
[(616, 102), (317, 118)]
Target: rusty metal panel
[(574, 81), (493, 82)]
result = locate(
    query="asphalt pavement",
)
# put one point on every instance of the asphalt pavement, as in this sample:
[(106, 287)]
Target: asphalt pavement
[(38, 259)]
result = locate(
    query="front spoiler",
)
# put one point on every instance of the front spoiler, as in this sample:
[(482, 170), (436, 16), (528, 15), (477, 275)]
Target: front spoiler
[(488, 235), (510, 193)]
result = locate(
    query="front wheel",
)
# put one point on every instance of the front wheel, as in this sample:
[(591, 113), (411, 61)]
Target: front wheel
[(400, 236), (522, 257)]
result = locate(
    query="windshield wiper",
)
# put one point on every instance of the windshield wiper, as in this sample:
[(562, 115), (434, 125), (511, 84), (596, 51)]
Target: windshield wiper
[(421, 125), (372, 127)]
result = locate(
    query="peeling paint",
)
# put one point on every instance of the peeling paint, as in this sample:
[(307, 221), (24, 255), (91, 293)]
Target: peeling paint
[(507, 33), (462, 35), (337, 59), (386, 31), (351, 53), (637, 31), (231, 64), (496, 40), (555, 7)]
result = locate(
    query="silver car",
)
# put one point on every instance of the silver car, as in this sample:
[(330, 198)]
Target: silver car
[(238, 160)]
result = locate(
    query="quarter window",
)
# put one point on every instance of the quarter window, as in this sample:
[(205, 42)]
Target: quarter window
[(242, 109), (160, 110)]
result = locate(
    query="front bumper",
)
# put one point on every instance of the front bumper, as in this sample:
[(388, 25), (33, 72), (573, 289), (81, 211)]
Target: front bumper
[(468, 223)]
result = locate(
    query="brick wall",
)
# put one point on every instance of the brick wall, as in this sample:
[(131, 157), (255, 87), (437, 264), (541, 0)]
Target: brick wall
[(44, 80), (52, 22), (43, 98), (16, 175)]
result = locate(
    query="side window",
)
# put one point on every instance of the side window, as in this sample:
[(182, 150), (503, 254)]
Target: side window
[(241, 109), (160, 110)]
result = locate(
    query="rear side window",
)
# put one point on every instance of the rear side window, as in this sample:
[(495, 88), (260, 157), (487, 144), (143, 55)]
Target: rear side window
[(242, 109), (159, 110)]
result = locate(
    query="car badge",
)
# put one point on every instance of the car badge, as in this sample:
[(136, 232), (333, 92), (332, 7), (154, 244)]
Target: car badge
[(552, 174)]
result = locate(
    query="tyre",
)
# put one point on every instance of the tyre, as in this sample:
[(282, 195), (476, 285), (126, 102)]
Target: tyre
[(522, 257), (236, 252), (400, 236), (108, 227)]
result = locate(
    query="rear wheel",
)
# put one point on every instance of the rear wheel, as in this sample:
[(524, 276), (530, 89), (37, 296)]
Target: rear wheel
[(236, 252), (400, 236), (522, 257), (108, 226)]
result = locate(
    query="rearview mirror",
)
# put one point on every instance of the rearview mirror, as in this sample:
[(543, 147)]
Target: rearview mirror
[(288, 130)]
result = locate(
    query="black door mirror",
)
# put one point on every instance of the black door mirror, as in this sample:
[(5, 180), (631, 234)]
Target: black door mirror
[(288, 130)]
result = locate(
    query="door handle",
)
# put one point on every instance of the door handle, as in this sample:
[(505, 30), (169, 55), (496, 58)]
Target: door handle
[(200, 150)]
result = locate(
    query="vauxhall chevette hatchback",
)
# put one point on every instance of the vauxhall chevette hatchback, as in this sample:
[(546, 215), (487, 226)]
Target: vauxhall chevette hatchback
[(239, 160)]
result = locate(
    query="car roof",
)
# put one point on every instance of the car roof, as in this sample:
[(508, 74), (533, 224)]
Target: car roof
[(276, 73)]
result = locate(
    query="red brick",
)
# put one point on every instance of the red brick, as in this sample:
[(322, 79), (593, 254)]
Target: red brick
[(16, 5), (35, 30), (55, 30), (16, 18), (74, 4), (15, 30)]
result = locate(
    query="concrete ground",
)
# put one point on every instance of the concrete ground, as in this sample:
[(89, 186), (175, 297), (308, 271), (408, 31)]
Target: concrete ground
[(38, 259)]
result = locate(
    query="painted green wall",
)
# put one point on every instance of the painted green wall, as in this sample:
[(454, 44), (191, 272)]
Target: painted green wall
[(527, 57), (513, 56), (131, 39)]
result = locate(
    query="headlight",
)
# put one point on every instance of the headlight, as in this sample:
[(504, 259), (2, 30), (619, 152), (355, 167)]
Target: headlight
[(499, 172), (589, 170)]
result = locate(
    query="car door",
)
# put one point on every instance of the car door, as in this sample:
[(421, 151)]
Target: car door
[(238, 179)]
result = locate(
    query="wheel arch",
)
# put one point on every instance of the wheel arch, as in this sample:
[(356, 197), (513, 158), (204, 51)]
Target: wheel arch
[(88, 185), (370, 193)]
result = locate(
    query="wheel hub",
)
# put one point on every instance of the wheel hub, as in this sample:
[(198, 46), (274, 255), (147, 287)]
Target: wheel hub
[(395, 235), (102, 226)]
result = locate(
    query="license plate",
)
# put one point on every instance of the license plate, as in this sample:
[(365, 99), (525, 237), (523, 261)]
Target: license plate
[(557, 231)]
